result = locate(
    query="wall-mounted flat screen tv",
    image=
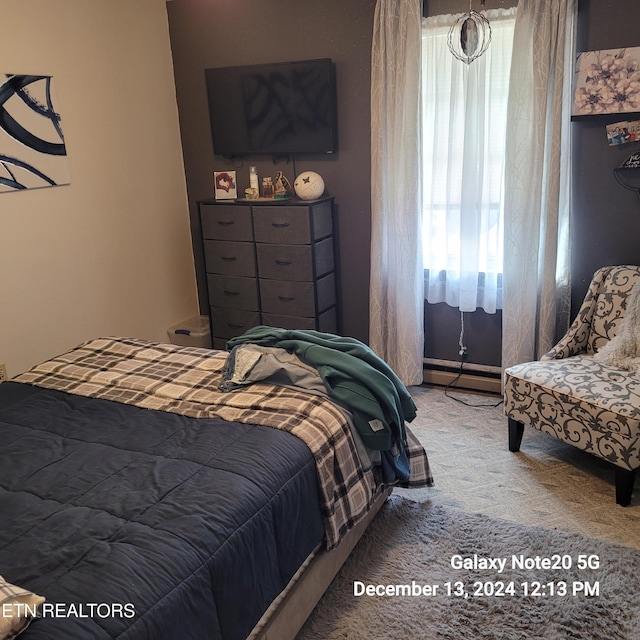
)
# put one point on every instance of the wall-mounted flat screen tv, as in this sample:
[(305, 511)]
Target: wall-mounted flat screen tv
[(280, 108)]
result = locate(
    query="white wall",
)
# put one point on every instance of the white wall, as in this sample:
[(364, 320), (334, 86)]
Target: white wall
[(109, 254)]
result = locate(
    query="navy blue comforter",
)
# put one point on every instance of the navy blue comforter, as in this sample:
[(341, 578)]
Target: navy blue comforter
[(140, 524)]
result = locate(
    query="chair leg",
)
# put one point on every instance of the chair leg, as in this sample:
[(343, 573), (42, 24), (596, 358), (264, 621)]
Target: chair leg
[(516, 429), (624, 485)]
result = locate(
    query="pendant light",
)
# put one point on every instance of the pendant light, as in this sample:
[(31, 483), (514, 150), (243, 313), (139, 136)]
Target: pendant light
[(469, 36)]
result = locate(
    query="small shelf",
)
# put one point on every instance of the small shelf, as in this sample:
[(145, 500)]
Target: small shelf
[(607, 118)]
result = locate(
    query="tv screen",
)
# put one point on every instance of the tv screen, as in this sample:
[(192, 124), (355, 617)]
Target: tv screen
[(280, 108)]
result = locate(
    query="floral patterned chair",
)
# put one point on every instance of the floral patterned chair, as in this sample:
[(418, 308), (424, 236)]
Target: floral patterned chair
[(572, 396)]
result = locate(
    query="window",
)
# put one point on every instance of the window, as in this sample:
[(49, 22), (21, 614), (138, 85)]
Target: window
[(464, 134)]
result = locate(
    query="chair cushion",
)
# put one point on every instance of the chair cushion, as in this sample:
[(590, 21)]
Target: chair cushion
[(587, 404)]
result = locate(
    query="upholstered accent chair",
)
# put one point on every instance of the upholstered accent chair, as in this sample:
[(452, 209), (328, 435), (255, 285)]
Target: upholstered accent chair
[(571, 395)]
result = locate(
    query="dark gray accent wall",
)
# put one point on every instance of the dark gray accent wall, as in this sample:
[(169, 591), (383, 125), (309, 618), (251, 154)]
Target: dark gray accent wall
[(236, 32), (606, 217)]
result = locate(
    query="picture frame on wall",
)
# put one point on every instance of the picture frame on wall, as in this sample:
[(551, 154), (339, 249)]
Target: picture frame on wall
[(607, 81), (226, 187)]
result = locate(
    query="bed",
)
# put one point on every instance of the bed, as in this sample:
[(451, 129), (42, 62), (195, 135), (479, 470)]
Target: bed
[(142, 502)]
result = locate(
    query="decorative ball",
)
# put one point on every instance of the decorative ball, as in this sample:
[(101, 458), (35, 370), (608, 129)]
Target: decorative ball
[(309, 185)]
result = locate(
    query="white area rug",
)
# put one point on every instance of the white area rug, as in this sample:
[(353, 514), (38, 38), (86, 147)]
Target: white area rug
[(412, 545)]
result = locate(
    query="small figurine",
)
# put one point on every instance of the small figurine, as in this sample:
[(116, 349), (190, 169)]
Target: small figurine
[(283, 186)]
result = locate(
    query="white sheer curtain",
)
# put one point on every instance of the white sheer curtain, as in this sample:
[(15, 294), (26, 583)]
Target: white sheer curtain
[(538, 180), (396, 290), (464, 116)]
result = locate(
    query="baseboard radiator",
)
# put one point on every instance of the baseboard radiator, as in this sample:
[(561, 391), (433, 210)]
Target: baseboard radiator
[(474, 377)]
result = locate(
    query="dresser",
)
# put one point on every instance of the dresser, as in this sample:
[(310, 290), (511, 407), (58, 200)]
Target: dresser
[(269, 262)]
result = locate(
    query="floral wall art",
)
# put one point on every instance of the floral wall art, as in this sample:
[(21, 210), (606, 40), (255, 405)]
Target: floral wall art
[(32, 148), (607, 81)]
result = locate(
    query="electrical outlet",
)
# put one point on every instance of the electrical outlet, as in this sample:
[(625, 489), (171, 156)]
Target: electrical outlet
[(3, 372)]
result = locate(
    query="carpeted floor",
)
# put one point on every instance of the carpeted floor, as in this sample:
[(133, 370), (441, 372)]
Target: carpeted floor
[(410, 558), (548, 485)]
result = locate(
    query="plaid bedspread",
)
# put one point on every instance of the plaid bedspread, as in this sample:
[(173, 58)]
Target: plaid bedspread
[(184, 380), (16, 604)]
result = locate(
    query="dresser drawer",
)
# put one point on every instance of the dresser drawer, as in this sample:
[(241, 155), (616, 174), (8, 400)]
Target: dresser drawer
[(292, 225), (327, 322), (226, 222), (294, 298), (289, 322), (293, 261), (229, 323), (233, 291), (230, 258)]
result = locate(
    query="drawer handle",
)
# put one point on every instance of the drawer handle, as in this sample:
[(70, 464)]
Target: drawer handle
[(231, 293), (284, 263), (279, 225), (225, 223), (286, 299), (228, 258), (235, 326)]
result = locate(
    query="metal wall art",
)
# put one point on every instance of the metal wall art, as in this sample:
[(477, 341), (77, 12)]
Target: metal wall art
[(32, 148)]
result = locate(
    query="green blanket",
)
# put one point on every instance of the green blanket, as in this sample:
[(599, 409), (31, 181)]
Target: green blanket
[(353, 375)]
